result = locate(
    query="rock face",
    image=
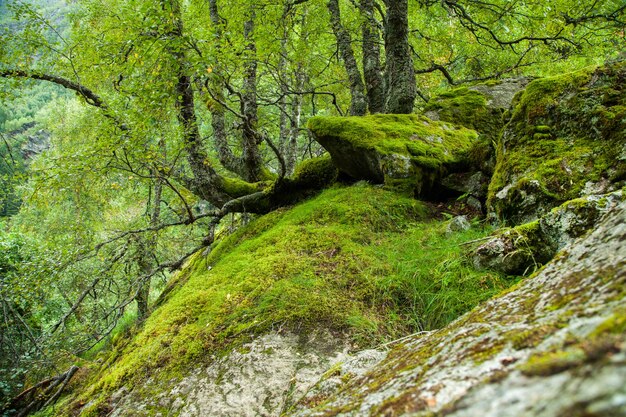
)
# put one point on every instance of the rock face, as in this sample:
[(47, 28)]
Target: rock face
[(553, 346), (565, 140), (35, 144), (260, 378), (524, 248), (405, 152)]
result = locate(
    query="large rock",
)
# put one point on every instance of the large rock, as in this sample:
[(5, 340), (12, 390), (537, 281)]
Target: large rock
[(260, 378), (407, 152), (553, 346), (565, 140), (522, 249)]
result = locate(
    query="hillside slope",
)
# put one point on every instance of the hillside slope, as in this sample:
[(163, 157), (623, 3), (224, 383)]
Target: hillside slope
[(555, 345), (248, 327)]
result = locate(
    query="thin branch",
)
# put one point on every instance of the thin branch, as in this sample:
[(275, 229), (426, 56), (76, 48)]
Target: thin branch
[(90, 97)]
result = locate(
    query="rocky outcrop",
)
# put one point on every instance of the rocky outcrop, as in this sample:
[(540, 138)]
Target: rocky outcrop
[(404, 152), (259, 378), (553, 346), (523, 249), (36, 143), (253, 326), (565, 140)]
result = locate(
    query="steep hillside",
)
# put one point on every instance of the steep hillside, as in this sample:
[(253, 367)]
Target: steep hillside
[(252, 323)]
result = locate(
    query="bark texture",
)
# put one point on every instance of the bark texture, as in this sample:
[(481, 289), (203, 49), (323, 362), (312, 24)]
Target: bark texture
[(358, 105), (374, 82), (218, 120), (400, 74)]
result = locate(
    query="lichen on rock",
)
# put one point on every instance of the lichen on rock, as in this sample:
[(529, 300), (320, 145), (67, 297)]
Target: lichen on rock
[(259, 378)]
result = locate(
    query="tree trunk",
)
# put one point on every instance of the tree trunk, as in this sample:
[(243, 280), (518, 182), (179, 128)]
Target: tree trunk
[(146, 251), (205, 182), (372, 72), (218, 121), (400, 74), (251, 139), (358, 105), (296, 115)]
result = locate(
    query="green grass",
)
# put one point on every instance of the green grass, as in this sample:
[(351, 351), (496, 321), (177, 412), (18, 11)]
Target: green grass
[(430, 280)]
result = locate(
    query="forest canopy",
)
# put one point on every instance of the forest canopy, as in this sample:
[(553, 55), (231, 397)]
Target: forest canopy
[(172, 121)]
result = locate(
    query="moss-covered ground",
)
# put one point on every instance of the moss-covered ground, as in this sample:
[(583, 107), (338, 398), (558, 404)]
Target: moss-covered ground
[(359, 260)]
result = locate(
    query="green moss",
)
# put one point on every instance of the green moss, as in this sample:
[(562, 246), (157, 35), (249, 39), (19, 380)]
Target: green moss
[(402, 151), (398, 133), (526, 246), (467, 107), (236, 187), (531, 337), (316, 173), (487, 351), (565, 131), (546, 364), (600, 343), (616, 324)]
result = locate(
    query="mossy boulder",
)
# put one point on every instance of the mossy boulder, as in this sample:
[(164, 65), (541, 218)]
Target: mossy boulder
[(566, 139), (514, 251), (523, 249), (404, 152), (482, 107)]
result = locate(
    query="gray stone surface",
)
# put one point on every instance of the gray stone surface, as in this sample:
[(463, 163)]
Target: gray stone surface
[(500, 95), (458, 224), (261, 378)]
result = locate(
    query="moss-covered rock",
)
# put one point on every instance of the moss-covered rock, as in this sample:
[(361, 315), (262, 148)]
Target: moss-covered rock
[(482, 107), (566, 139), (405, 152), (524, 248), (514, 251)]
